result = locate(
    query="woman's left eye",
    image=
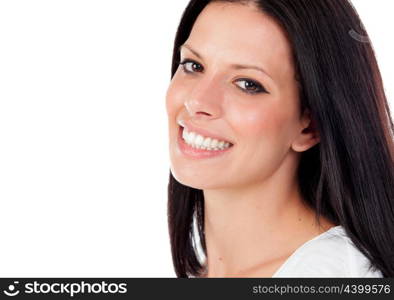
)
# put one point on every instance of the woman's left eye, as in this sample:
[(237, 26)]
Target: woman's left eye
[(250, 86)]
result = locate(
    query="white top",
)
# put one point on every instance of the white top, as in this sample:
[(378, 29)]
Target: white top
[(330, 254)]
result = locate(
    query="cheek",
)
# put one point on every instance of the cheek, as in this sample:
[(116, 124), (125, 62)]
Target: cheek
[(265, 126), (174, 97), (257, 121), (170, 99)]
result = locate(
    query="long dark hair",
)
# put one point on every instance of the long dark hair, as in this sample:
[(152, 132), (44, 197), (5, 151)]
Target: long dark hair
[(349, 176)]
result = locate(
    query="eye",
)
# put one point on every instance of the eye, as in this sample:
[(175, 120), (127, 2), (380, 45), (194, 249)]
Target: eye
[(250, 86), (190, 66)]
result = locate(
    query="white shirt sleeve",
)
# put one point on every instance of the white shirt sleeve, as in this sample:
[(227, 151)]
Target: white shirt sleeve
[(332, 255)]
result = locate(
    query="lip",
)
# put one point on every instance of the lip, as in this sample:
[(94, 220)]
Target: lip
[(194, 153), (191, 128)]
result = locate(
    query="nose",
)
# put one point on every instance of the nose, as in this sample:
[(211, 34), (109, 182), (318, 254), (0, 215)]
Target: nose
[(205, 99)]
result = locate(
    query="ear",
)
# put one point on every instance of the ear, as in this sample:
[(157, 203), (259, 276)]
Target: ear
[(308, 135)]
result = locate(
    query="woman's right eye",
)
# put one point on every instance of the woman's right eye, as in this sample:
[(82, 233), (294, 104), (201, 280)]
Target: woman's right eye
[(190, 66)]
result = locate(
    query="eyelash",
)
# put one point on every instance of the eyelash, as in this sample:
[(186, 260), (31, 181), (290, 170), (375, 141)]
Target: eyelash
[(261, 89)]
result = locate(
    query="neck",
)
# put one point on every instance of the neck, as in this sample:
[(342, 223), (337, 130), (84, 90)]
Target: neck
[(249, 226)]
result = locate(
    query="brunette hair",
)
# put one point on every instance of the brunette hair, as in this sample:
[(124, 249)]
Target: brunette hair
[(349, 176)]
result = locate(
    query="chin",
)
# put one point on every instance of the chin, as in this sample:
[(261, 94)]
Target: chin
[(197, 180)]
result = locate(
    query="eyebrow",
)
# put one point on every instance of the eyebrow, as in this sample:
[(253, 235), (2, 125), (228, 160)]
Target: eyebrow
[(235, 66)]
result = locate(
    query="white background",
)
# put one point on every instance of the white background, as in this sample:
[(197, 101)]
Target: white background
[(83, 133)]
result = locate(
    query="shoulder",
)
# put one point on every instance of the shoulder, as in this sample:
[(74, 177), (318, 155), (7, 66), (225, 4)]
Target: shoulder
[(332, 254)]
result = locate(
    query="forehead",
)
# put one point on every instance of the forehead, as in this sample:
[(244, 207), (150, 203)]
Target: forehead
[(241, 33)]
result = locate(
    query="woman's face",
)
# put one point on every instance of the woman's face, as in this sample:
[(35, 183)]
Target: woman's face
[(236, 85)]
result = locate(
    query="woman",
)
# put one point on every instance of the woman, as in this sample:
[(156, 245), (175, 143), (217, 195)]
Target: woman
[(280, 143)]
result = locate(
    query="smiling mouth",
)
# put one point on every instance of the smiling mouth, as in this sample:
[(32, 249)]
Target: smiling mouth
[(200, 142)]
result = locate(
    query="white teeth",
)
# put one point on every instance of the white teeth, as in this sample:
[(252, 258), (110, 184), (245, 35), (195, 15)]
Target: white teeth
[(184, 134), (207, 142), (214, 143), (200, 142), (190, 137)]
